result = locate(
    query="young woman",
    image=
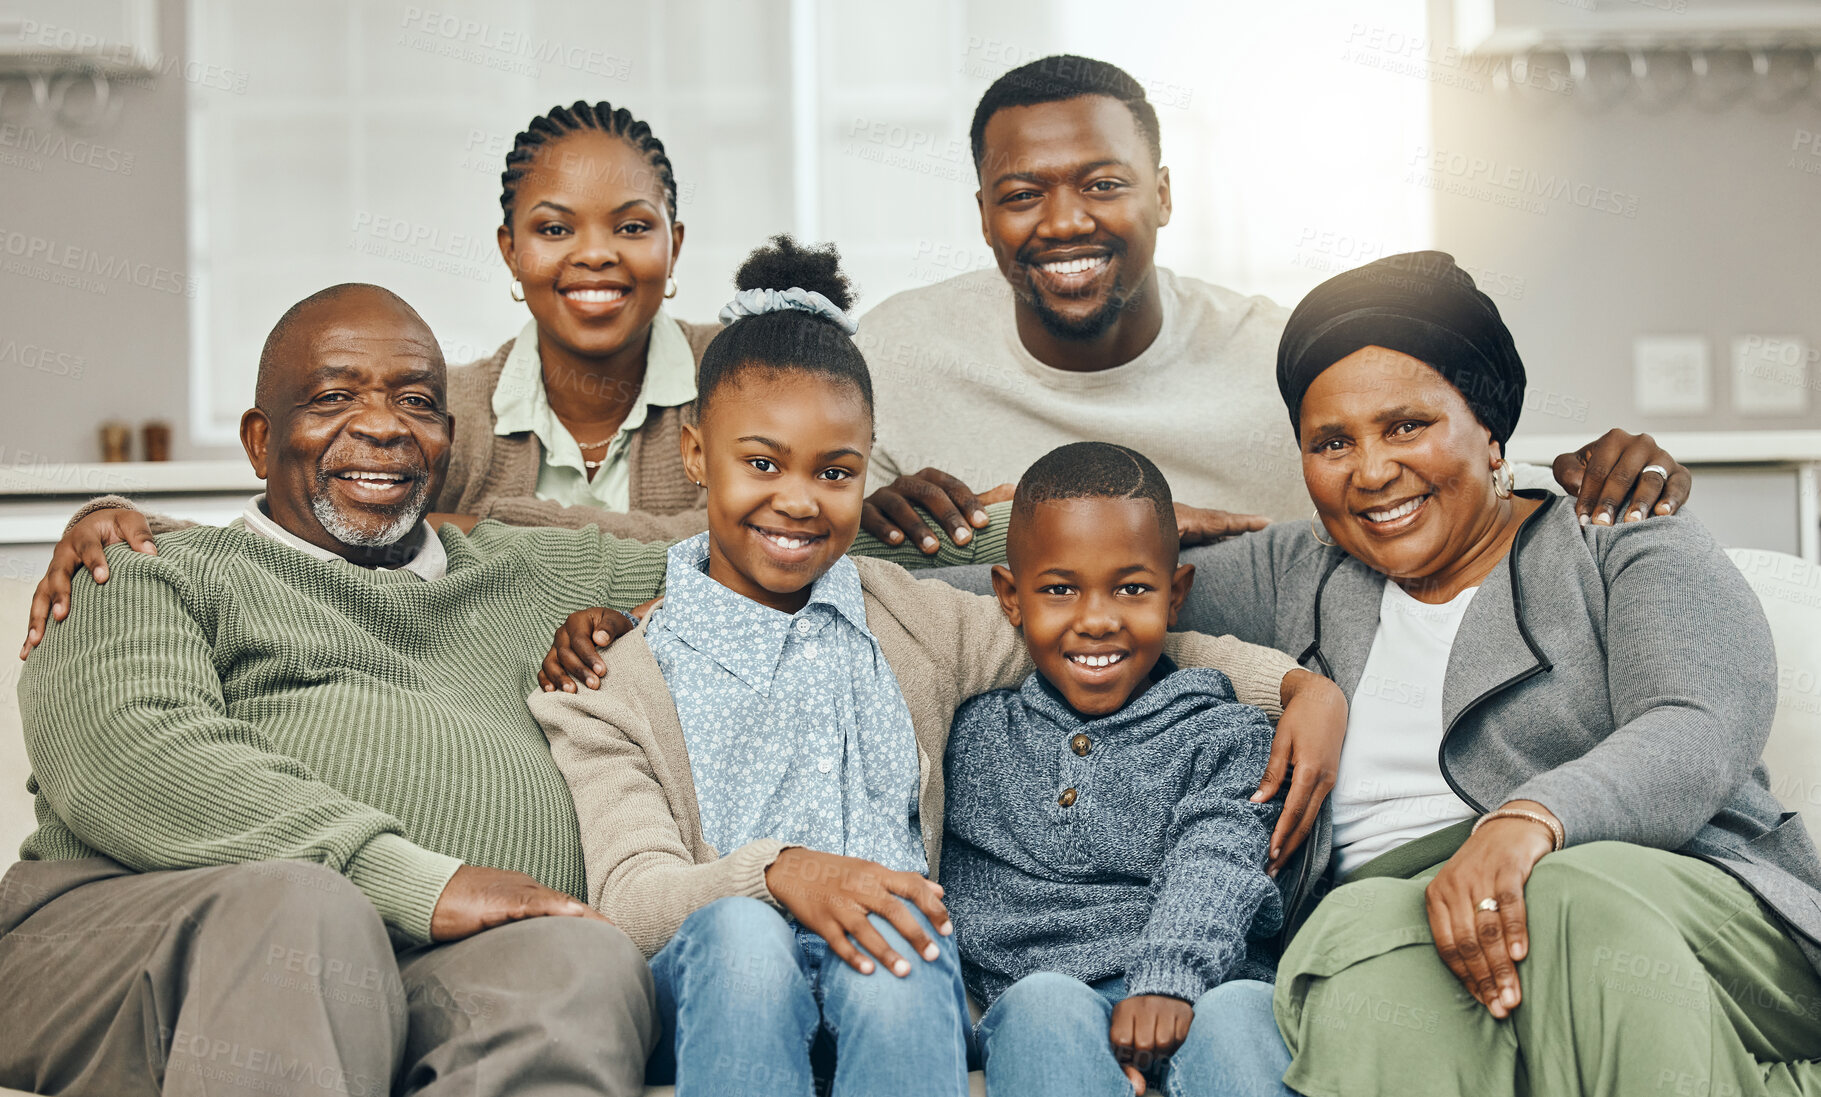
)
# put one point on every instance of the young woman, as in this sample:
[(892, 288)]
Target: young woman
[(576, 420), (760, 801)]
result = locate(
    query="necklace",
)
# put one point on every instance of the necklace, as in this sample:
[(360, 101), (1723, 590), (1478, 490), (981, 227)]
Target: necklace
[(593, 466)]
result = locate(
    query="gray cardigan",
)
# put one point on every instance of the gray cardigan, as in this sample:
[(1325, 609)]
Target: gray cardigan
[(1622, 676)]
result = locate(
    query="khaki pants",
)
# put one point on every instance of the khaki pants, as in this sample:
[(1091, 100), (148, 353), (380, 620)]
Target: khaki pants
[(277, 978), (1649, 973)]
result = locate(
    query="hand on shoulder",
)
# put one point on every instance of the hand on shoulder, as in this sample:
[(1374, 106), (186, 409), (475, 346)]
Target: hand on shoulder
[(83, 545), (575, 651)]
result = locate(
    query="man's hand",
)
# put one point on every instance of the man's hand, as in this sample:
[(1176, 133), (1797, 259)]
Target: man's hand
[(1308, 742), (1608, 473), (463, 522), (83, 545), (890, 514), (832, 895), (477, 898), (1203, 527), (1482, 947), (575, 652), (1147, 1029)]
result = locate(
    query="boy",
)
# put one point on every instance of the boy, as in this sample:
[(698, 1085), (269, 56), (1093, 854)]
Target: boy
[(1104, 864)]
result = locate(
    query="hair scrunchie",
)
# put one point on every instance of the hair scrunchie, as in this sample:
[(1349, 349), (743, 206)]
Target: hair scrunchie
[(757, 302)]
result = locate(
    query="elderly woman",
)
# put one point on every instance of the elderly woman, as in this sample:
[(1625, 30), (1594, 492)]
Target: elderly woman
[(1561, 867)]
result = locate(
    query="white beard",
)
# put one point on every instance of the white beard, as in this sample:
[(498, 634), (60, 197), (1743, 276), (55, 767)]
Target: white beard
[(347, 533)]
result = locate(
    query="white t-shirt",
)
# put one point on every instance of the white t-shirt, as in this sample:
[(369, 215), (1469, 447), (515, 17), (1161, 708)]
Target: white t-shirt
[(955, 389), (1391, 789)]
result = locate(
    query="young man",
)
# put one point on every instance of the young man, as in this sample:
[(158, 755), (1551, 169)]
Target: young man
[(1106, 843), (1079, 334)]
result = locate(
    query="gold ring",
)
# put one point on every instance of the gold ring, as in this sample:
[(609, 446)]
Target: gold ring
[(1489, 905)]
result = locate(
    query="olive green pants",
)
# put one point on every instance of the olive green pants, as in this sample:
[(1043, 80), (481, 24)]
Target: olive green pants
[(1649, 973)]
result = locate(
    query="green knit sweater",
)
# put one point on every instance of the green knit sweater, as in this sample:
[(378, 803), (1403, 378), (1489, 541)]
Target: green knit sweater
[(232, 699)]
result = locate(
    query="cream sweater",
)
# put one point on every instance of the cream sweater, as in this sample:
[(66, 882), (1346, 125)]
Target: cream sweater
[(956, 389), (621, 748)]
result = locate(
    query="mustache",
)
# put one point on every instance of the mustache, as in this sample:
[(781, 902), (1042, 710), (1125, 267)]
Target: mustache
[(341, 455)]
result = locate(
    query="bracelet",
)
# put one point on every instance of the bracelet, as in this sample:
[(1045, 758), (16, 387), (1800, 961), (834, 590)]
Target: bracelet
[(1555, 828)]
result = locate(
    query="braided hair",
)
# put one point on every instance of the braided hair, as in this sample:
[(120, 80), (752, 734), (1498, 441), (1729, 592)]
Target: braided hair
[(603, 117)]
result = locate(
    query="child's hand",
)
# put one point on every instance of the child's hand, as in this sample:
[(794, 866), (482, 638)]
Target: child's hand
[(1146, 1029), (575, 653), (1308, 741), (832, 895)]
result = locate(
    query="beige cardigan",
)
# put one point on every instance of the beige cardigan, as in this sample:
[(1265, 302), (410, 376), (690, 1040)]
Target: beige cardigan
[(495, 476), (621, 748)]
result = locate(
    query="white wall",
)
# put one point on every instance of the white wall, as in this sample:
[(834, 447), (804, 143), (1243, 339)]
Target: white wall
[(100, 209), (1721, 240)]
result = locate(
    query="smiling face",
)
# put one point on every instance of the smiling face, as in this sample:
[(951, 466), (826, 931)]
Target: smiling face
[(592, 242), (353, 438), (1070, 204), (1094, 585), (783, 455), (1398, 466)]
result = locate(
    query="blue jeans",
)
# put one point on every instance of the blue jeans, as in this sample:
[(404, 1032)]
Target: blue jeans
[(743, 992), (1048, 1034)]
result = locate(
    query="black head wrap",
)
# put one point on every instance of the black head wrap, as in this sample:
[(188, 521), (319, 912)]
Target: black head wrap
[(1418, 303)]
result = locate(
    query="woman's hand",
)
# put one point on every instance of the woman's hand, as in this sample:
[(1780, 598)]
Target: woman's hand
[(83, 545), (1147, 1028), (831, 896), (575, 652), (1307, 744), (1483, 947)]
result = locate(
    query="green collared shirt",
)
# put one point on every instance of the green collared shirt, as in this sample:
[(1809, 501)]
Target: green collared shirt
[(520, 404)]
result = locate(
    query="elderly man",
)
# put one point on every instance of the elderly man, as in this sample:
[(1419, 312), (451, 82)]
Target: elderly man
[(299, 833)]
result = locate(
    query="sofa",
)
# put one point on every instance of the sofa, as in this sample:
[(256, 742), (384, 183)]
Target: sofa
[(1788, 588)]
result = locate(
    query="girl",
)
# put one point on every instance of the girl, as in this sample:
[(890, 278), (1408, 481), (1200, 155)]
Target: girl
[(760, 801)]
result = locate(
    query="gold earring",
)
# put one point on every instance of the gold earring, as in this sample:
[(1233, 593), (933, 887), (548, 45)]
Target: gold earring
[(518, 290), (1503, 480), (1316, 528), (670, 290)]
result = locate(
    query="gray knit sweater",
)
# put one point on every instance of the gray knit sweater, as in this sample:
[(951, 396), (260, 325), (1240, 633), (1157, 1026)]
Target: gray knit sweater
[(1153, 870)]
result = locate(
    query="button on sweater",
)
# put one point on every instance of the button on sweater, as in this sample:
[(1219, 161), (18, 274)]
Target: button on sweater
[(1122, 845)]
